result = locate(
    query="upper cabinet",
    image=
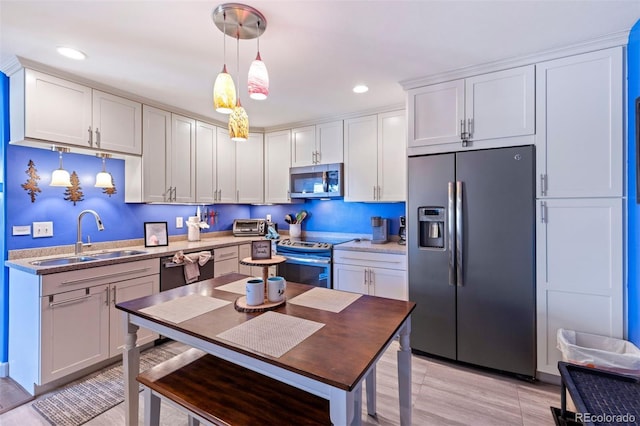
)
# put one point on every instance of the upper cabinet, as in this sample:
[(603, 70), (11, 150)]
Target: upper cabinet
[(319, 144), (579, 140), (45, 108), (277, 161), (239, 169), (206, 164), (375, 157), (485, 107)]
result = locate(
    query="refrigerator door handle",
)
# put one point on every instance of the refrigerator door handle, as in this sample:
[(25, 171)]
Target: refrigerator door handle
[(459, 235), (451, 233)]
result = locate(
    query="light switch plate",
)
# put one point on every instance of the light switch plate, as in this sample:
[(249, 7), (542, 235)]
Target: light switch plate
[(179, 222), (42, 229), (21, 230)]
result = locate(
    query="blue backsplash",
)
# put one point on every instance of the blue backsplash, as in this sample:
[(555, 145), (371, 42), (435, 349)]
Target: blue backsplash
[(125, 220)]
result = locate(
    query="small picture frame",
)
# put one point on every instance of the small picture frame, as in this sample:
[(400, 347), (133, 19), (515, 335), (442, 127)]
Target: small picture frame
[(260, 250), (155, 234)]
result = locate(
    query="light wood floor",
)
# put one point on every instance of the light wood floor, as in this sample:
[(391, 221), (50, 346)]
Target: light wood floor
[(443, 394)]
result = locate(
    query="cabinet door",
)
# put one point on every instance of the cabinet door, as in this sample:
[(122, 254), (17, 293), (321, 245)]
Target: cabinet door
[(501, 104), (182, 159), (361, 157), (435, 113), (277, 161), (249, 169), (74, 331), (579, 271), (303, 146), (57, 110), (117, 123), (579, 140), (224, 267), (122, 292), (206, 137), (330, 143), (156, 137), (392, 156), (389, 283), (350, 278), (226, 167)]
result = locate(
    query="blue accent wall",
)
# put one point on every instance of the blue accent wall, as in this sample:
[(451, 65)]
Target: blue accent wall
[(633, 273)]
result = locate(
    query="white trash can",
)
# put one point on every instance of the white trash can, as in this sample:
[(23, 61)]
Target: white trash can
[(599, 351)]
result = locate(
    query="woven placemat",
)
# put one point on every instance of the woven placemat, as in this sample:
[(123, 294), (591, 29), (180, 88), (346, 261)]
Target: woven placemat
[(238, 287), (185, 308), (271, 333), (325, 299)]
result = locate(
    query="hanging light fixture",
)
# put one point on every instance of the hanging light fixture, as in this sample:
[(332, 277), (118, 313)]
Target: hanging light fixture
[(224, 91), (245, 23), (103, 178), (60, 177), (238, 120), (258, 80)]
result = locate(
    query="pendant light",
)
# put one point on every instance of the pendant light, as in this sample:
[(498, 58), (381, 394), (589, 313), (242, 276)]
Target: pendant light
[(60, 177), (238, 120), (258, 80), (224, 91), (103, 178)]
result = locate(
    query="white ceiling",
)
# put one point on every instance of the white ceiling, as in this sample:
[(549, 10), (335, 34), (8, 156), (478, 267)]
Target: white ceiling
[(316, 51)]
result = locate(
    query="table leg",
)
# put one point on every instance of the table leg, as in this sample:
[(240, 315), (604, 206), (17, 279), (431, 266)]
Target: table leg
[(357, 406), (371, 392), (341, 405), (131, 365), (404, 373), (151, 408)]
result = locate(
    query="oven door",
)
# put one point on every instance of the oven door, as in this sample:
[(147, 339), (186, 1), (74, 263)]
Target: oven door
[(306, 269)]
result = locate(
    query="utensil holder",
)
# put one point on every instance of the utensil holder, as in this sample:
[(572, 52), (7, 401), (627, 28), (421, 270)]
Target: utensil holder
[(295, 230)]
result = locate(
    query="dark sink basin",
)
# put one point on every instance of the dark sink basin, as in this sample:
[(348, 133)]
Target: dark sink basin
[(63, 260), (117, 253)]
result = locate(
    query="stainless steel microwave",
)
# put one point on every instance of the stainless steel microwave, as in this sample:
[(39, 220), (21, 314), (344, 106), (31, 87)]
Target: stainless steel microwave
[(318, 181)]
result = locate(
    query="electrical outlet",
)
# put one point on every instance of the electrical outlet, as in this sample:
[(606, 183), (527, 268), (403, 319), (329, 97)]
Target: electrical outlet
[(179, 222), (42, 229), (22, 230), (268, 218)]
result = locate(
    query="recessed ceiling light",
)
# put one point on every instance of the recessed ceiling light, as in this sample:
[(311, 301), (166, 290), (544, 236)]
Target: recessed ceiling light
[(71, 53), (360, 88)]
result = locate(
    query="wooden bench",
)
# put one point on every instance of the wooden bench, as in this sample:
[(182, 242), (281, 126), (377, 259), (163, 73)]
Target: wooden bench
[(219, 392)]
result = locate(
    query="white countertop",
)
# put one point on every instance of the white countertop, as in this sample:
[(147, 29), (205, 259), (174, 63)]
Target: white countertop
[(391, 247)]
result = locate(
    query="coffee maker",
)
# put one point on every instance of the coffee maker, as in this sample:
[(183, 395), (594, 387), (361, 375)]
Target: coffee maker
[(380, 230), (402, 232)]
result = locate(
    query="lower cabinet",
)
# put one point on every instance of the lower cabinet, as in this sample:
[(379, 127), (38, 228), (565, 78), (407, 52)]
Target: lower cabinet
[(375, 274), (68, 321), (226, 260)]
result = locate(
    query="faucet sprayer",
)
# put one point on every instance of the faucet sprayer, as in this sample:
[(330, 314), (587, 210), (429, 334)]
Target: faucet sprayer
[(99, 224)]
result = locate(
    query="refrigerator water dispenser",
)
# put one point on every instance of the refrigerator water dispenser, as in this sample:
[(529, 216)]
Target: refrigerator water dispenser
[(431, 226)]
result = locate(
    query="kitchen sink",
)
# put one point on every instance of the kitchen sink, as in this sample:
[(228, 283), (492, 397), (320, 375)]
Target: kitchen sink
[(62, 260), (116, 253)]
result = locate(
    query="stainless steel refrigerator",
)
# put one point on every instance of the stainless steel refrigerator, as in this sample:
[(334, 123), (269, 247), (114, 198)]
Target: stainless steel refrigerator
[(471, 242)]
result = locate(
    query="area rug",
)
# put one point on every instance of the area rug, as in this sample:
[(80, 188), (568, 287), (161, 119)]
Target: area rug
[(82, 400)]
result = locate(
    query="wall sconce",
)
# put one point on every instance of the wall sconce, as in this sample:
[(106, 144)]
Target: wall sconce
[(60, 177), (104, 179)]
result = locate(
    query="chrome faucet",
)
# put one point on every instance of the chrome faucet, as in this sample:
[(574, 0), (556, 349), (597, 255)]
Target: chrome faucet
[(79, 243)]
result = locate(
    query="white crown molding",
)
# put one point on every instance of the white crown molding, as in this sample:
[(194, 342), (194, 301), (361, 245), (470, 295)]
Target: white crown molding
[(610, 40)]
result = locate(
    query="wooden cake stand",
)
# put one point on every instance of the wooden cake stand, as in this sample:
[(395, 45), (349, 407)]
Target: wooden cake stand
[(241, 303)]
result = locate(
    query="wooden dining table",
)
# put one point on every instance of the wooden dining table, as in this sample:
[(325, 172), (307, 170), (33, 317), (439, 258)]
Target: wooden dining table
[(332, 362)]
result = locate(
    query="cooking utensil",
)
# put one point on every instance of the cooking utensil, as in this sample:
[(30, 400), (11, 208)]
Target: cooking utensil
[(288, 219), (300, 216)]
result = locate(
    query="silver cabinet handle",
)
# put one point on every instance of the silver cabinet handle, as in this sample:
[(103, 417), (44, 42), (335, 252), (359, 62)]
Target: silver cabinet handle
[(451, 217), (371, 278), (53, 304), (313, 157), (288, 195), (543, 184), (114, 295), (90, 141), (219, 194), (374, 192), (237, 195), (366, 279), (318, 157), (469, 128), (543, 212), (459, 234), (107, 298), (379, 197), (98, 137), (175, 193), (462, 134)]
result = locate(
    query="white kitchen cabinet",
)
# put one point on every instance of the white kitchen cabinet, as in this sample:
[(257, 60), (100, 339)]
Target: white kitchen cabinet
[(375, 157), (319, 144), (484, 107), (277, 161), (580, 135), (65, 322), (580, 282), (50, 109), (226, 260), (226, 165), (375, 274), (123, 291), (250, 169), (206, 163), (181, 159)]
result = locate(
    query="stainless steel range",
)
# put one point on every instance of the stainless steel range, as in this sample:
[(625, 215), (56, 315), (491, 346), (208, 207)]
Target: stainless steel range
[(309, 260)]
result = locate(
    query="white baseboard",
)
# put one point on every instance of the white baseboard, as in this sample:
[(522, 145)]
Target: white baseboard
[(4, 369)]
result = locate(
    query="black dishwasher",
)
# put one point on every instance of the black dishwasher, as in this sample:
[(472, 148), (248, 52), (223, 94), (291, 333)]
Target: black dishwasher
[(172, 274)]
